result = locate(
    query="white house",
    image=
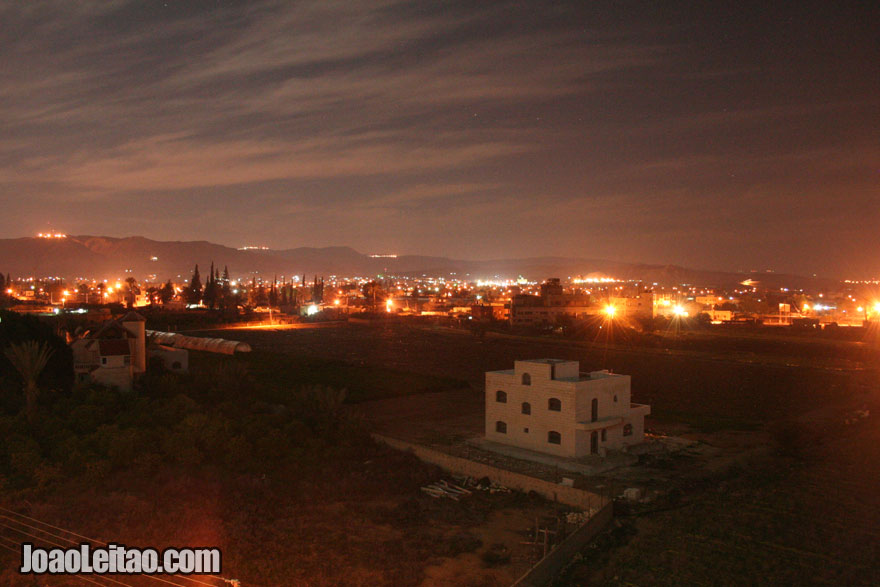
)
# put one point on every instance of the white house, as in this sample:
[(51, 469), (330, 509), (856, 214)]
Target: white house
[(114, 354), (549, 406)]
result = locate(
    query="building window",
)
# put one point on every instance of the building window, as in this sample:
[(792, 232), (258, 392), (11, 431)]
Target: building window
[(103, 360), (554, 437), (501, 427), (594, 410), (526, 430), (628, 430), (615, 399), (526, 379), (554, 405), (501, 397), (526, 408), (604, 435)]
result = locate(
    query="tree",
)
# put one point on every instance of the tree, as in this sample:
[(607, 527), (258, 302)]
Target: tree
[(211, 289), (83, 290), (273, 293), (194, 291), (152, 295), (132, 290), (166, 294), (374, 295), (29, 358)]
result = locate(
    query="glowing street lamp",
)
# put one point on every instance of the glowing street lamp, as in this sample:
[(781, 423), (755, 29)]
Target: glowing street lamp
[(610, 311), (679, 312)]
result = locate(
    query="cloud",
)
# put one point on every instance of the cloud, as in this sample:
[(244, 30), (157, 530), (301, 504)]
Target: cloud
[(493, 126)]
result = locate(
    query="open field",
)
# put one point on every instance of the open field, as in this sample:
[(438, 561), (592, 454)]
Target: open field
[(803, 509), (357, 517), (704, 389), (359, 520), (808, 521), (280, 367)]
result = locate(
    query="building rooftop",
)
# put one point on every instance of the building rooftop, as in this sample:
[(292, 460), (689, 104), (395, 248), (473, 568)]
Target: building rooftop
[(133, 317), (114, 347)]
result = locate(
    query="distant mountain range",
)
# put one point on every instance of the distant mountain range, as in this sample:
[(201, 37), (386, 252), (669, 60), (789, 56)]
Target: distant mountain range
[(102, 257)]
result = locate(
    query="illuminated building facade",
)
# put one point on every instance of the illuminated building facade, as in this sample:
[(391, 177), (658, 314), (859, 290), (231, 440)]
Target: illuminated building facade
[(549, 406)]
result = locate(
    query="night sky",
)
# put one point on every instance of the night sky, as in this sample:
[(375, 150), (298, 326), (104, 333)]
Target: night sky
[(697, 134)]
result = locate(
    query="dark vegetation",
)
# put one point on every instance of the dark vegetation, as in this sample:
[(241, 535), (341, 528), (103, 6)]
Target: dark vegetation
[(211, 419), (58, 374), (255, 454), (362, 381)]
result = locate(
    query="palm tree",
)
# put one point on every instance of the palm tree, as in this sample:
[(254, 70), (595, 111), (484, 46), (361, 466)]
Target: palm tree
[(29, 358)]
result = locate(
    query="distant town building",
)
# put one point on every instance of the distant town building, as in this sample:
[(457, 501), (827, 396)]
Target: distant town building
[(549, 308), (639, 306), (549, 406)]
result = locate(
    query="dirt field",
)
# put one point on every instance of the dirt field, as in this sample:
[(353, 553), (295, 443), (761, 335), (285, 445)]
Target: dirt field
[(748, 513), (361, 521), (703, 389)]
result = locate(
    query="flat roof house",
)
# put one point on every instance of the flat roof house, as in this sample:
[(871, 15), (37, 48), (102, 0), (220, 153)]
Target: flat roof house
[(549, 406)]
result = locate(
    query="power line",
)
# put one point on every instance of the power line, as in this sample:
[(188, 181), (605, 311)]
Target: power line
[(36, 538), (92, 540), (3, 509), (14, 521), (17, 550), (86, 538)]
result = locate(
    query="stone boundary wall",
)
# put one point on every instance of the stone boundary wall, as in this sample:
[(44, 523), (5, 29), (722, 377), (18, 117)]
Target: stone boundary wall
[(546, 570), (578, 498)]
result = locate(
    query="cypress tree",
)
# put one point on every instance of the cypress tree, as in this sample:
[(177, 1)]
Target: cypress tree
[(195, 287)]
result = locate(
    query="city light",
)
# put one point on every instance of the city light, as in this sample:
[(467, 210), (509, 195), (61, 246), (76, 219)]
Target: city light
[(680, 312), (594, 280), (610, 311), (388, 305)]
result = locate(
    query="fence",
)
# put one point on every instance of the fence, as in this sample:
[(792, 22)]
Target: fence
[(572, 496), (546, 569)]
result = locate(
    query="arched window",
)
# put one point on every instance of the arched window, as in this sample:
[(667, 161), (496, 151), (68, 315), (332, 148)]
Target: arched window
[(627, 429), (526, 408), (594, 410), (501, 427), (501, 397), (554, 405), (526, 379), (615, 399), (554, 437)]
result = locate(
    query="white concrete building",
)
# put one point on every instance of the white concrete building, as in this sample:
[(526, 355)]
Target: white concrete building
[(549, 406), (109, 356)]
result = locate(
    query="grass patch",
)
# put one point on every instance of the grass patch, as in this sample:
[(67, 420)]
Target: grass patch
[(280, 371), (705, 422)]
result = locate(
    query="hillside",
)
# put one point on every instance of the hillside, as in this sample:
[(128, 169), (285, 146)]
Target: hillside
[(106, 257)]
